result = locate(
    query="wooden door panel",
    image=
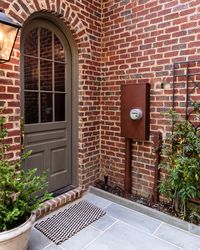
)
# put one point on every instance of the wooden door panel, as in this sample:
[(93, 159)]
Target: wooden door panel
[(50, 154), (46, 136), (58, 160), (58, 170), (36, 160)]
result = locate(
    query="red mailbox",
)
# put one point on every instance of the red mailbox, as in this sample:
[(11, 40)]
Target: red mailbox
[(135, 111)]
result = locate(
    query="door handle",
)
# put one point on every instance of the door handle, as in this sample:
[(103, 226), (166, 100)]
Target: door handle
[(22, 133)]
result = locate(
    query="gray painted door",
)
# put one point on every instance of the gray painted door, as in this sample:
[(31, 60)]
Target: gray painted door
[(46, 95)]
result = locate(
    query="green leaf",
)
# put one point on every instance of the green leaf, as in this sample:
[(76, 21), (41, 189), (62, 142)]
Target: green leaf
[(18, 188)]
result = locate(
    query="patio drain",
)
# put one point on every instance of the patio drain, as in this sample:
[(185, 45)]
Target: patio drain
[(65, 224)]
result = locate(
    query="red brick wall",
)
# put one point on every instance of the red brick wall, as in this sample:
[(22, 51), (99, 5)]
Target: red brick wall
[(119, 41), (141, 41), (82, 18)]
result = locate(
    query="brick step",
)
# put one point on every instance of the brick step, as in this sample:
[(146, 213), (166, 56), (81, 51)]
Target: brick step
[(59, 201)]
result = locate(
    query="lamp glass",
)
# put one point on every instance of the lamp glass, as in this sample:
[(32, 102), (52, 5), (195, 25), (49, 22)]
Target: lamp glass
[(8, 36)]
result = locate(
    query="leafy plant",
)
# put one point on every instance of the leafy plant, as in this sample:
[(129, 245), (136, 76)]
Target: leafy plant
[(194, 216), (181, 161), (18, 188)]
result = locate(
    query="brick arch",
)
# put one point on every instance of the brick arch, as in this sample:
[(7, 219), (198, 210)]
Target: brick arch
[(23, 9)]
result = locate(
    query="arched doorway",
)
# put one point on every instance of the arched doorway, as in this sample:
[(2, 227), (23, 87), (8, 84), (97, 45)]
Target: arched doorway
[(46, 96)]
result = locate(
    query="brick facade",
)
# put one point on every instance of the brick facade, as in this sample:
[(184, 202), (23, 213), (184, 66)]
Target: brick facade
[(119, 41), (83, 21), (141, 41)]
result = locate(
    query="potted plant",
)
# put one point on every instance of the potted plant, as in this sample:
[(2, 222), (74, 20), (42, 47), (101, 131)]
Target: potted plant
[(18, 197), (181, 162)]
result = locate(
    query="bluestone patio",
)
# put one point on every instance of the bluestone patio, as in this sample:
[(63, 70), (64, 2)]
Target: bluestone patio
[(120, 229)]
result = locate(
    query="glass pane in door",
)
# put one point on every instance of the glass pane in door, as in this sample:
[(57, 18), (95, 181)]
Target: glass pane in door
[(59, 52), (46, 107), (30, 73), (59, 73), (45, 75), (31, 43), (31, 107), (45, 43), (59, 107)]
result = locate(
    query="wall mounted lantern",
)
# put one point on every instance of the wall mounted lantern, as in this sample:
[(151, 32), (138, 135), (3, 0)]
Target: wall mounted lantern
[(8, 35)]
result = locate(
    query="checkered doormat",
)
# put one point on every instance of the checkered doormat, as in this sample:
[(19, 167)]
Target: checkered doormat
[(65, 224)]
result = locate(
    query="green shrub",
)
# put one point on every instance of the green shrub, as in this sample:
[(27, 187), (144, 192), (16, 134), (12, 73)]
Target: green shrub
[(181, 162), (18, 188)]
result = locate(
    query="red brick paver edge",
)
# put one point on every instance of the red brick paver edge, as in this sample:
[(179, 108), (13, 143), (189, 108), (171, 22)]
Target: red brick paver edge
[(59, 201)]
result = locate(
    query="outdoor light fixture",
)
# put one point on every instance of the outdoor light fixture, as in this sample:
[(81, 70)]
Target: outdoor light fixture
[(8, 35)]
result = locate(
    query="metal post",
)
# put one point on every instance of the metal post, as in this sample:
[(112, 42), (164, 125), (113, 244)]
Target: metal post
[(187, 92), (157, 141), (127, 179)]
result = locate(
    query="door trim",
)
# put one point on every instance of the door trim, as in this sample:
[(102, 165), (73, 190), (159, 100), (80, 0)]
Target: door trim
[(74, 83)]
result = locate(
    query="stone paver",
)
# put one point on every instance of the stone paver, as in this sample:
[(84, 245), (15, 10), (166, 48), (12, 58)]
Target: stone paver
[(104, 223), (140, 221), (123, 236), (121, 229), (84, 237), (38, 241), (52, 247), (178, 237), (97, 201)]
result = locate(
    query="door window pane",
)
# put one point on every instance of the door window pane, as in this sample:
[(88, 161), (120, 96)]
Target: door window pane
[(59, 77), (45, 43), (59, 107), (30, 73), (59, 53), (46, 107), (45, 75), (31, 107), (31, 43)]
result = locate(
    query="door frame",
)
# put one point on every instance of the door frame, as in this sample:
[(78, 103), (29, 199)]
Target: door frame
[(74, 83)]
